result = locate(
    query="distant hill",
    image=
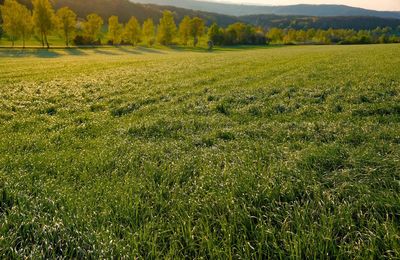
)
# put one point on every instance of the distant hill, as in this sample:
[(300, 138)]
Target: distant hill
[(323, 22), (240, 10), (125, 9)]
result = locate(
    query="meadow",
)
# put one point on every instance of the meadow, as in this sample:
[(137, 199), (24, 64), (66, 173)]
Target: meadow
[(247, 153)]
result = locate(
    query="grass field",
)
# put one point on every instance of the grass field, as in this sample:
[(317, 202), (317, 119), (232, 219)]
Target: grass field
[(238, 154)]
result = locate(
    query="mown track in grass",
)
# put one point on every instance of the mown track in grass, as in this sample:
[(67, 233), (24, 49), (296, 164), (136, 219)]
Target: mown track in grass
[(276, 152)]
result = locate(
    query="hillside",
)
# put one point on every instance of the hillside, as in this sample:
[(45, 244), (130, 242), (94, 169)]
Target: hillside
[(306, 10), (125, 9), (335, 22)]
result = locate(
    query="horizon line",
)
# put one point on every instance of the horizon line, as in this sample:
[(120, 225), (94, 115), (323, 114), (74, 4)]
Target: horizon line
[(272, 5)]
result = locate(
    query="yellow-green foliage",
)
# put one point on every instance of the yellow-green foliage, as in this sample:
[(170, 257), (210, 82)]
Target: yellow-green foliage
[(149, 32), (132, 31), (66, 23), (10, 20), (269, 153), (44, 19), (17, 21), (184, 30), (197, 28), (92, 27), (191, 28), (166, 30), (115, 30)]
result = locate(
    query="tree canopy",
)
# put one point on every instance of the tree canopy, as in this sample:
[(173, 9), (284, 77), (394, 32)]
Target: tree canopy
[(66, 23), (149, 31), (44, 19), (92, 27), (184, 30), (166, 28), (114, 30), (11, 19), (132, 33), (196, 29)]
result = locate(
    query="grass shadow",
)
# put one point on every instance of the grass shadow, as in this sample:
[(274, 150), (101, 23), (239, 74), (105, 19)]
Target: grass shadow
[(54, 52), (46, 54), (129, 50), (12, 53), (149, 50), (187, 48), (23, 53), (108, 52), (75, 52), (180, 48)]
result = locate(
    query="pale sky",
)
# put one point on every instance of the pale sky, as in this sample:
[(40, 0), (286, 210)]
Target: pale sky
[(386, 5)]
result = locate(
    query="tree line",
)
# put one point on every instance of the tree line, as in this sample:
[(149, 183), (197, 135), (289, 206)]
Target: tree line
[(240, 33), (333, 36), (19, 22)]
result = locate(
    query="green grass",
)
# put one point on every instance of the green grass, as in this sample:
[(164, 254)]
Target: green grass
[(274, 152), (55, 41)]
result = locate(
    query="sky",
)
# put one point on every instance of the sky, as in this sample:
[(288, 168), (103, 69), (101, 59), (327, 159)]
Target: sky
[(386, 5)]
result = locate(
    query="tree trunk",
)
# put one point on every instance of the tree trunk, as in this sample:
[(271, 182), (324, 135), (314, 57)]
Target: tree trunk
[(42, 39), (47, 42), (66, 39)]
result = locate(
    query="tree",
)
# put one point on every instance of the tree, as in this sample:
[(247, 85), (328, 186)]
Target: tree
[(66, 23), (311, 34), (364, 37), (275, 35), (25, 24), (17, 21), (132, 32), (92, 27), (239, 33), (394, 39), (215, 35), (148, 31), (383, 39), (196, 29), (166, 28), (322, 37), (184, 30), (43, 18), (1, 27), (258, 36), (10, 19), (114, 30), (301, 36)]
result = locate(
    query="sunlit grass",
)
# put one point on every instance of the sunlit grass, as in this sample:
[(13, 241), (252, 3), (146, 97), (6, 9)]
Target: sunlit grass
[(153, 153)]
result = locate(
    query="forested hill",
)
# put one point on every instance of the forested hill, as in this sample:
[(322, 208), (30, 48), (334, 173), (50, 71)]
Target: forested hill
[(334, 22), (301, 9), (125, 9)]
